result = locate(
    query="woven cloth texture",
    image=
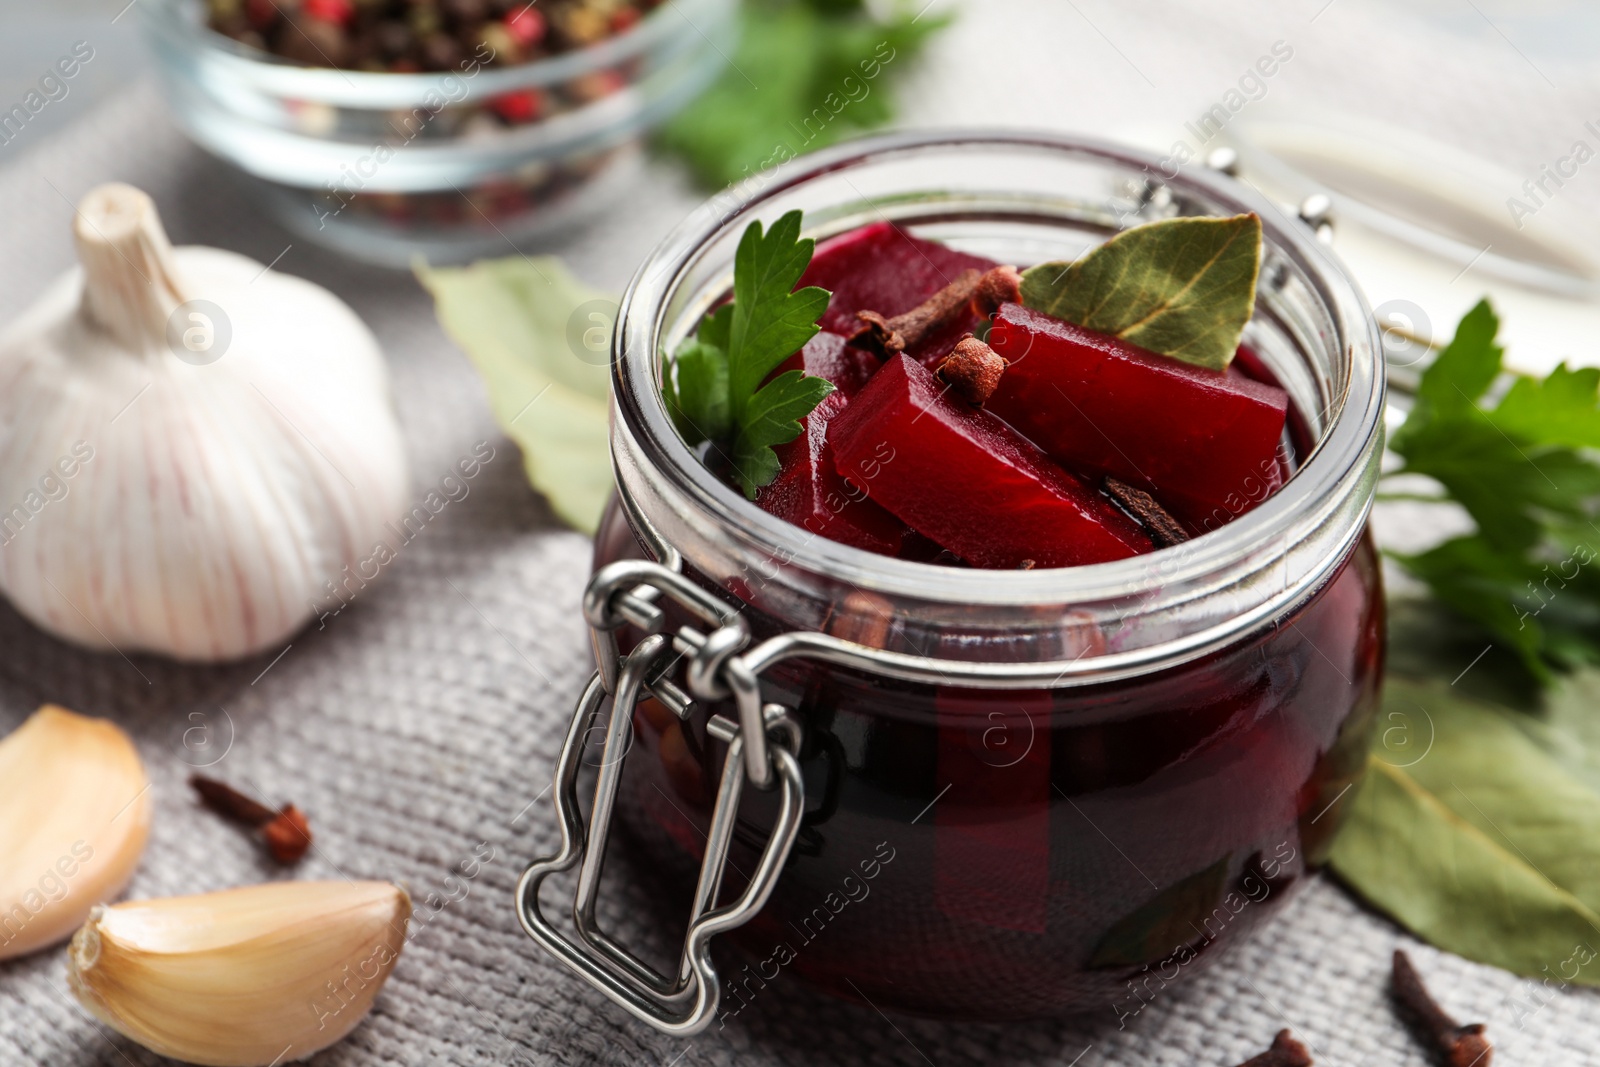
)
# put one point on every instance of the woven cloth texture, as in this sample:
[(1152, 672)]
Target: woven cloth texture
[(424, 719)]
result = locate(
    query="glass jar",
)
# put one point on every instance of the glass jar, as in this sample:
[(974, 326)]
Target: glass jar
[(1030, 792)]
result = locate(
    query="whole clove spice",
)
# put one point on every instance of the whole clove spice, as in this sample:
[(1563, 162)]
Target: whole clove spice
[(229, 802), (1000, 285), (1454, 1044), (1163, 529), (973, 370), (288, 835), (286, 832), (1285, 1052), (972, 290)]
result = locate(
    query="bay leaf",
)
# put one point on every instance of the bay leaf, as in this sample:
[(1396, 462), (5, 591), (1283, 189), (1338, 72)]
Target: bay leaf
[(1166, 922), (516, 318), (1182, 287), (1476, 840), (1565, 726)]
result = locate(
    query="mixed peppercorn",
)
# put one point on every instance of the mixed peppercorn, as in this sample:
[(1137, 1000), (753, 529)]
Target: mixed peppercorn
[(408, 36)]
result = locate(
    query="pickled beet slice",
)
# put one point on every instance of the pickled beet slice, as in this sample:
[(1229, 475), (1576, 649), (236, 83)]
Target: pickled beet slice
[(884, 269), (809, 491), (1204, 444), (827, 355), (968, 481)]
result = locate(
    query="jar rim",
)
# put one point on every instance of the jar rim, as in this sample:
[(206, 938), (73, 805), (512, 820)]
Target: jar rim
[(1340, 460)]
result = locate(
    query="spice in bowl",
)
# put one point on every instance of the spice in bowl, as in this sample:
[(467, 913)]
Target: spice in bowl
[(410, 36)]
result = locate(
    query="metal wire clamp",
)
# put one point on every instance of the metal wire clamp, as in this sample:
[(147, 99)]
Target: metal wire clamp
[(763, 747)]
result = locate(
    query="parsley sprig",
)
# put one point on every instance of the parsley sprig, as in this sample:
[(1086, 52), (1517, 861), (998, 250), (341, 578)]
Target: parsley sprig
[(823, 66), (717, 394), (1525, 472)]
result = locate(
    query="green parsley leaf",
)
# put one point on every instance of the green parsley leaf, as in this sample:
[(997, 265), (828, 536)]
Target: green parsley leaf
[(698, 398), (714, 387), (1468, 575), (772, 417), (717, 329), (1467, 366), (1560, 409), (771, 322), (1183, 287), (1524, 472), (807, 73)]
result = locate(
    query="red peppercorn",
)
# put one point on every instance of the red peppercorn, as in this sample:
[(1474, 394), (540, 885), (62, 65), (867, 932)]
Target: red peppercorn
[(523, 106), (338, 12), (263, 14), (527, 26)]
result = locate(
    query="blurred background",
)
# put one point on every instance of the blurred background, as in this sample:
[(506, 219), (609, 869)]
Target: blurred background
[(1425, 118)]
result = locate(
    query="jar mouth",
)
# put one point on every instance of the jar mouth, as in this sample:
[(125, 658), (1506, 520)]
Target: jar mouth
[(1328, 495)]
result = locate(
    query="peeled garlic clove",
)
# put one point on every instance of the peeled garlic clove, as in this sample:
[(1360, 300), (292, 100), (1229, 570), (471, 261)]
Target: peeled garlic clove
[(74, 817), (197, 453), (245, 977)]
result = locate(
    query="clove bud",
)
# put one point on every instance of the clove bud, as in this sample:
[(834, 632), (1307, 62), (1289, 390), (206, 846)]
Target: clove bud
[(1001, 285), (1456, 1045), (971, 291), (286, 832), (972, 369), (1285, 1052)]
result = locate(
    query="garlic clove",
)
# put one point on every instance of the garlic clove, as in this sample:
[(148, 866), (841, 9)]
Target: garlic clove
[(74, 817), (244, 977)]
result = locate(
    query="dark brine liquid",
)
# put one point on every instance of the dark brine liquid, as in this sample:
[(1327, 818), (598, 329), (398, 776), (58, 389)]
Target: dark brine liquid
[(1012, 854)]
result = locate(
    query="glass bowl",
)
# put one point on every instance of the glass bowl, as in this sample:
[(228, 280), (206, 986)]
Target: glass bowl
[(1024, 793), (384, 167)]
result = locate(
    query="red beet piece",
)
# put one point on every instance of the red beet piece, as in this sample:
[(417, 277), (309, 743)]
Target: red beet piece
[(828, 356), (970, 482), (809, 491), (1204, 444), (884, 269)]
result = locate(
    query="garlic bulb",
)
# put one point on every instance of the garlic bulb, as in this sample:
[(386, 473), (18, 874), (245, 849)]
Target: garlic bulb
[(262, 975), (74, 817), (193, 447)]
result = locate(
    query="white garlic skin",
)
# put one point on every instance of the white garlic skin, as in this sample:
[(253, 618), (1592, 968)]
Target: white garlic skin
[(220, 499)]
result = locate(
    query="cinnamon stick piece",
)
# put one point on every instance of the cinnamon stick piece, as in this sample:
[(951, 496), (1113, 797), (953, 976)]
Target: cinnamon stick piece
[(1163, 529), (1456, 1045)]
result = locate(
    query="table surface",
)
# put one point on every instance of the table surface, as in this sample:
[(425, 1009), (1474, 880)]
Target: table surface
[(424, 719)]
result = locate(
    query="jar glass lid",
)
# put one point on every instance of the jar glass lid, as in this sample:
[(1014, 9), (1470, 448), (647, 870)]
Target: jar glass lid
[(1429, 229)]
